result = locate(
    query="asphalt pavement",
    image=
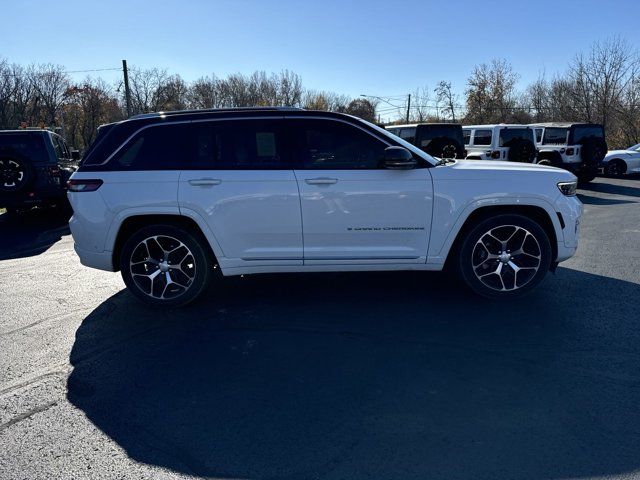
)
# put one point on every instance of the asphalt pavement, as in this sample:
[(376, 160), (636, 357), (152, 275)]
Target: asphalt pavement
[(332, 376)]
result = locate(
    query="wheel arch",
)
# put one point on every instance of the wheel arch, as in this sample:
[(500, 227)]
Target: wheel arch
[(133, 223), (535, 212), (621, 160)]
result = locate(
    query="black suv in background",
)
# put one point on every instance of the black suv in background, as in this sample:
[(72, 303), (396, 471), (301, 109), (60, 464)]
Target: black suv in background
[(577, 147), (442, 140), (34, 168)]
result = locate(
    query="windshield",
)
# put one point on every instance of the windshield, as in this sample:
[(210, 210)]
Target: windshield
[(555, 136), (635, 147), (413, 149), (23, 145)]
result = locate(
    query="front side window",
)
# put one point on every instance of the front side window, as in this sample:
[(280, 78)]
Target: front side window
[(336, 145), (482, 137), (466, 136), (539, 135)]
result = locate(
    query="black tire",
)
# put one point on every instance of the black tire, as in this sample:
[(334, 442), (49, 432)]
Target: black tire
[(615, 168), (545, 161), (476, 271), (521, 150), (593, 151), (15, 174), (191, 277), (586, 176), (445, 147)]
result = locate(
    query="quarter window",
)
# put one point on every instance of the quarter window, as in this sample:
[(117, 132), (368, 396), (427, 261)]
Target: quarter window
[(161, 147), (409, 134), (334, 145), (482, 137)]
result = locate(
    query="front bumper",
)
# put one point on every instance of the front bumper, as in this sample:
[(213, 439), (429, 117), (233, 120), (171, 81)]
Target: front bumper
[(571, 210)]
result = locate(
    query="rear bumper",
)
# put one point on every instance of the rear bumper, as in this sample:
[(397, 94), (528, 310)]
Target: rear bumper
[(100, 260), (31, 198)]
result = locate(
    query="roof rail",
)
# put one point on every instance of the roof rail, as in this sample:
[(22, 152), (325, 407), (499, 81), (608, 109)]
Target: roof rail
[(213, 110)]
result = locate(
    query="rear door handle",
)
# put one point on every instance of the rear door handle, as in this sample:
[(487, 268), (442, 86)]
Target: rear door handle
[(204, 182), (321, 181)]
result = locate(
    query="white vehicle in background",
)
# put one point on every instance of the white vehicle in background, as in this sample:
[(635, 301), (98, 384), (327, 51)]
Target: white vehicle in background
[(165, 197), (577, 147), (513, 143), (620, 162)]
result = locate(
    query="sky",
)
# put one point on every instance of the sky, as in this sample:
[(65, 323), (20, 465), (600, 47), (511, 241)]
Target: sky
[(382, 48)]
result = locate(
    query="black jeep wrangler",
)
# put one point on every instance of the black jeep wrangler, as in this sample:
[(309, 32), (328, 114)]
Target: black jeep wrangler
[(34, 168), (442, 140)]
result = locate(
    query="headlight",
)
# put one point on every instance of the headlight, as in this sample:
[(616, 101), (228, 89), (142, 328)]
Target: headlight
[(568, 188)]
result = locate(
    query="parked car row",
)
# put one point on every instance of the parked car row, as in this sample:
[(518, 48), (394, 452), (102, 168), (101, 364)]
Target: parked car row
[(577, 147)]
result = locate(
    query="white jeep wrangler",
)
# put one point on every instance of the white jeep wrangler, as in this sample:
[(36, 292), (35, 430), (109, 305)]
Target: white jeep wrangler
[(164, 198), (577, 147), (513, 143)]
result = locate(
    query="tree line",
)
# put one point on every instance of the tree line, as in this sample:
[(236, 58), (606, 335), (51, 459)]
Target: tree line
[(601, 85)]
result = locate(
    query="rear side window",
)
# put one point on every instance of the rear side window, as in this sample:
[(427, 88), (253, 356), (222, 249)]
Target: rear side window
[(507, 135), (163, 147), (238, 145), (25, 146), (466, 136), (409, 134), (482, 137), (335, 145), (581, 133), (555, 136)]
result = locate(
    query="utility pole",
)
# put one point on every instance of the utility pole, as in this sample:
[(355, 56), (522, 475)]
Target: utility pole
[(408, 106), (127, 93)]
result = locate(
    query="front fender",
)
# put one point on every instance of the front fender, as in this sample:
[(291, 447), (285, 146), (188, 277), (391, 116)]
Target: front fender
[(445, 231)]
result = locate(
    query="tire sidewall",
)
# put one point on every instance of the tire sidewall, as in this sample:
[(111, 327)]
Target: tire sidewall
[(465, 268), (201, 257)]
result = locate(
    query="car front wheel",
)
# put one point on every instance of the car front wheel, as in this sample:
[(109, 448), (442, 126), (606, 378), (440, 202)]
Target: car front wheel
[(504, 256), (165, 265)]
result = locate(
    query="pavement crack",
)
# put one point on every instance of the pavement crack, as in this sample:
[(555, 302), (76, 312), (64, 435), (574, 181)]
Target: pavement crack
[(29, 414)]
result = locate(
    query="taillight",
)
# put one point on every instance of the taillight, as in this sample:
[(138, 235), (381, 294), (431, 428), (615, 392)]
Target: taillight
[(495, 154), (569, 151), (84, 185)]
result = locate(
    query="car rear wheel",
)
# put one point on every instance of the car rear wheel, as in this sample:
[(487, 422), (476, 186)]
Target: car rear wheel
[(504, 257), (165, 265), (615, 168)]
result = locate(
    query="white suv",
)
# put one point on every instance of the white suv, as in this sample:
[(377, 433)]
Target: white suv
[(514, 143), (164, 198)]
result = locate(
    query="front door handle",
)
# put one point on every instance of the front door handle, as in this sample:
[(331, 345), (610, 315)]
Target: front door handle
[(321, 181), (205, 182)]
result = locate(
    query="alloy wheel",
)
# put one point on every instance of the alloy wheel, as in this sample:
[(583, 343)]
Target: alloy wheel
[(162, 267), (506, 258)]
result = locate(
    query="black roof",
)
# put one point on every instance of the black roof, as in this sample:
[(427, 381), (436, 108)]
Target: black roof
[(565, 124)]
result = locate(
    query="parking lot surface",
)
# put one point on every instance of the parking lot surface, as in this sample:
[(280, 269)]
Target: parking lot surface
[(367, 375)]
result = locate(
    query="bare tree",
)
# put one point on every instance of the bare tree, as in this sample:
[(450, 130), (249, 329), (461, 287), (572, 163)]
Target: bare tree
[(491, 92), (363, 108), (445, 95)]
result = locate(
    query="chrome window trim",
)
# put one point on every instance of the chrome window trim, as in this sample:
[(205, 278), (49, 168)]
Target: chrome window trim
[(226, 119)]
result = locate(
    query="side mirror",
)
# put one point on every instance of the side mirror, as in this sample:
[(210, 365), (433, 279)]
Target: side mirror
[(75, 155), (398, 158)]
